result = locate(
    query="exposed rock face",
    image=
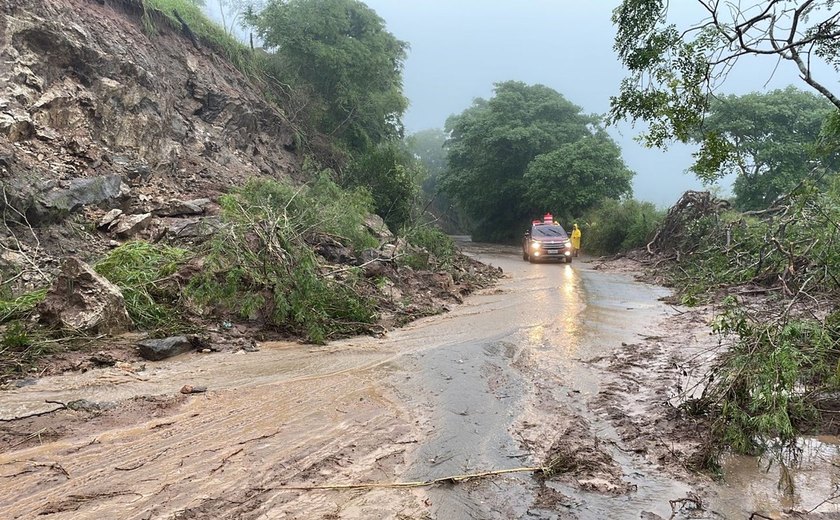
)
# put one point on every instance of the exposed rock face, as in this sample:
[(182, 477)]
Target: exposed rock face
[(82, 300), (87, 93)]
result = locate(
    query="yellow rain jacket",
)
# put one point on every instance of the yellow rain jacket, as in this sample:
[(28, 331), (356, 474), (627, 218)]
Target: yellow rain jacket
[(576, 238)]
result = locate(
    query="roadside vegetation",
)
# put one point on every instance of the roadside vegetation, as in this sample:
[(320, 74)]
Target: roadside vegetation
[(288, 257), (767, 260)]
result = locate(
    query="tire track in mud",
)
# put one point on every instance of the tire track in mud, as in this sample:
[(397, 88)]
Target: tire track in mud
[(226, 454)]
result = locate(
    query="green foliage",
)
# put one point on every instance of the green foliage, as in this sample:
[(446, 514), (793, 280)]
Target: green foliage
[(760, 397), (574, 177), (262, 268), (429, 146), (392, 176), (434, 241), (16, 338), (761, 392), (341, 49), (207, 31), (22, 306), (675, 70), (493, 143), (144, 273), (769, 141), (614, 226)]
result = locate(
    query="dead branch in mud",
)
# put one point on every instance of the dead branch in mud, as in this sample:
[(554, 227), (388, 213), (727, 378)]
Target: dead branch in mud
[(28, 438), (453, 479), (141, 464), (759, 515), (680, 503), (62, 406)]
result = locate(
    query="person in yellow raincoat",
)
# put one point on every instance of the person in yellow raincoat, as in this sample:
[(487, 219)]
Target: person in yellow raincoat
[(575, 240)]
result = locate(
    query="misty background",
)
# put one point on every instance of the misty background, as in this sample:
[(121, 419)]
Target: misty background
[(459, 49)]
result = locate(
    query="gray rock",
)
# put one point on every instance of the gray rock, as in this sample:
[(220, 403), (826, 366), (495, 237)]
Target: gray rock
[(16, 125), (378, 228), (108, 219), (80, 299), (129, 225), (56, 203), (175, 208), (157, 349), (194, 228)]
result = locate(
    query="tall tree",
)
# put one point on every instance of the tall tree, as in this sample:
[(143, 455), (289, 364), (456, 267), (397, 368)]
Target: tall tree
[(769, 142), (342, 50), (429, 146), (576, 176), (493, 143), (674, 70)]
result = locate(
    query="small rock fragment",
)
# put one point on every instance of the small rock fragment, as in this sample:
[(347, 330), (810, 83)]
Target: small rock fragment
[(190, 389)]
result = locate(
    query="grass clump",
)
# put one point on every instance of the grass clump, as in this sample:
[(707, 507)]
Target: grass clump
[(207, 31), (262, 267), (22, 306), (144, 273), (433, 240)]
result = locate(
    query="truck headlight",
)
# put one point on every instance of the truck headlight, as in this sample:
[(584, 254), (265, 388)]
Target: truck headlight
[(535, 245)]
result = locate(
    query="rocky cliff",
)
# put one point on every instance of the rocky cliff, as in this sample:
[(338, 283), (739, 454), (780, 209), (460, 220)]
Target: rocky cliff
[(105, 105)]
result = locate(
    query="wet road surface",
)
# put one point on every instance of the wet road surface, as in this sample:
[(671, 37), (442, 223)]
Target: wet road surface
[(492, 384)]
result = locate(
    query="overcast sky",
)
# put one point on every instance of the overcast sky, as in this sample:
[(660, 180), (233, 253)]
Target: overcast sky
[(459, 48)]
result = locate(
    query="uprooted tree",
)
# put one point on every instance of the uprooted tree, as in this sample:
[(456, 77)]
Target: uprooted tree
[(779, 373)]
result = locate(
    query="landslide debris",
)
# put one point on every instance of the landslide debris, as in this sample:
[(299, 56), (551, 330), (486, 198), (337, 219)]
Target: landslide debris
[(126, 146), (769, 279)]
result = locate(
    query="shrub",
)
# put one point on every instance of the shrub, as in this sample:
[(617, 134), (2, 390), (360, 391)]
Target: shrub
[(393, 178), (261, 268), (434, 241), (615, 226), (142, 271)]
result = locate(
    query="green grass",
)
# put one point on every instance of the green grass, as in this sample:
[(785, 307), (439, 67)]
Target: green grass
[(143, 272), (206, 30), (22, 306)]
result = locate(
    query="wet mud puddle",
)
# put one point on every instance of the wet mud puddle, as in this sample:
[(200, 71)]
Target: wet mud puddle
[(520, 386)]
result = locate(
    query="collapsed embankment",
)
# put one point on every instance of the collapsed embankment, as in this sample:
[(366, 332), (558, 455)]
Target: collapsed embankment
[(133, 145)]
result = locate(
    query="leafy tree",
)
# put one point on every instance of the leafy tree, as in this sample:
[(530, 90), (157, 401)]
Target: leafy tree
[(493, 143), (429, 147), (770, 142), (392, 176), (354, 65), (674, 70), (575, 176)]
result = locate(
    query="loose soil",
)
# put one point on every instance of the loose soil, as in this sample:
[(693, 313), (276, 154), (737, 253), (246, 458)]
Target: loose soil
[(568, 367)]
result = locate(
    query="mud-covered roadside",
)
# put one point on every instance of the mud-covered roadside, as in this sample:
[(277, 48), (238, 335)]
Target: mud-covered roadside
[(563, 367), (663, 372)]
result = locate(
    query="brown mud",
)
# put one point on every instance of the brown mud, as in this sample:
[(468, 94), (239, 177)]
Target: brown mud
[(563, 366)]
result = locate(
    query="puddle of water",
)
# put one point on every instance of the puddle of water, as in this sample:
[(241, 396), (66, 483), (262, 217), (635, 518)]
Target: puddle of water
[(769, 487)]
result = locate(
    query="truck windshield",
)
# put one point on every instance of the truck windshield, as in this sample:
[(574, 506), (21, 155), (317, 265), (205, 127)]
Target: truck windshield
[(548, 231)]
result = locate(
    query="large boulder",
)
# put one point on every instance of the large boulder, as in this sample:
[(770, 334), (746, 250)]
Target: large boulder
[(157, 349), (80, 299), (378, 228), (57, 203)]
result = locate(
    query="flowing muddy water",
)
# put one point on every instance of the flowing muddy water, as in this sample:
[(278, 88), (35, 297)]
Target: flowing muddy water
[(555, 359)]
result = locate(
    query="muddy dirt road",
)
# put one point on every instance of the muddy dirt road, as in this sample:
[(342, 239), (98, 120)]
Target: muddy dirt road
[(558, 362)]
